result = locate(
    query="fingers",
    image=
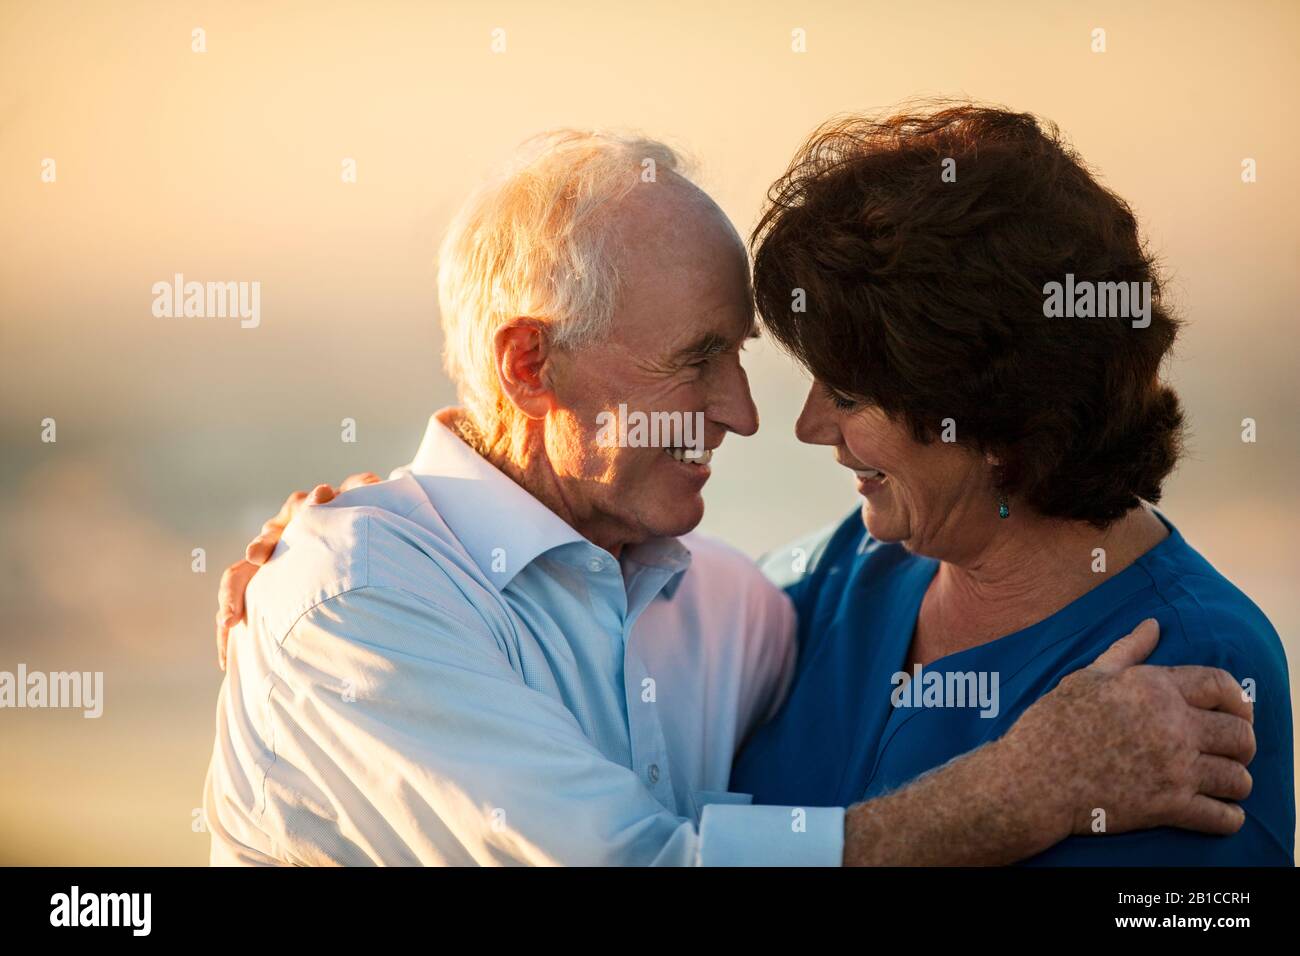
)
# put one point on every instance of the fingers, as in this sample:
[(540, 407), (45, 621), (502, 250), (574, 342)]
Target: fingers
[(259, 550), (230, 603), (1225, 734), (319, 495), (1211, 816), (234, 582), (223, 639), (1131, 649), (1211, 688), (230, 594), (1222, 778), (362, 478)]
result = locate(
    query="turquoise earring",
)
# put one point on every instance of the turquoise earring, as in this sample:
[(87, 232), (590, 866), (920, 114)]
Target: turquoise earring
[(1003, 510)]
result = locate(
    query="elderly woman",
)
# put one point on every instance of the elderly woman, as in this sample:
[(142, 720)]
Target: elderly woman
[(1006, 457)]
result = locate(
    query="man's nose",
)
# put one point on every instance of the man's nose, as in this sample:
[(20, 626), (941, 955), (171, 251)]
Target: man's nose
[(733, 406)]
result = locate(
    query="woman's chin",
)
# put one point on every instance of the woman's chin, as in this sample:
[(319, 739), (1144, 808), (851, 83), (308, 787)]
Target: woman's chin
[(880, 525)]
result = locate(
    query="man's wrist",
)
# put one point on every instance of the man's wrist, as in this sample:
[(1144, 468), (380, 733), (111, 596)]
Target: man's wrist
[(1035, 785), (993, 806)]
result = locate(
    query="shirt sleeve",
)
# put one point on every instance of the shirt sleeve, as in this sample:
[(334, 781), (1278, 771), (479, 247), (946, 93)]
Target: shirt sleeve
[(771, 836), (387, 729)]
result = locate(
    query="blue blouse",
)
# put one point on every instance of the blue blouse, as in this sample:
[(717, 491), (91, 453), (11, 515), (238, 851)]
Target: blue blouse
[(840, 739)]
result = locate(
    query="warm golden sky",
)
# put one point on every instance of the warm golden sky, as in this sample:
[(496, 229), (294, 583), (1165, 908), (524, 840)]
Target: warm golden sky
[(177, 434)]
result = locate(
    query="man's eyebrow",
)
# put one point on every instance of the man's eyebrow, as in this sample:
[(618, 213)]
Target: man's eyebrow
[(710, 344)]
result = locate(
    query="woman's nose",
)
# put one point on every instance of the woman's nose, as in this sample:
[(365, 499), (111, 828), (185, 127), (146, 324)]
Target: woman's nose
[(817, 423)]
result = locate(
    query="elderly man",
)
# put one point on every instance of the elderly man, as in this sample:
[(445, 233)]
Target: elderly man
[(509, 653)]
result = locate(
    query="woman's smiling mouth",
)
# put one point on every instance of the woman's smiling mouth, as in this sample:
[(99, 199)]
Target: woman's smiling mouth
[(870, 480)]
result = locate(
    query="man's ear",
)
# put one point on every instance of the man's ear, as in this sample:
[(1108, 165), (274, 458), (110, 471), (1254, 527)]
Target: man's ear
[(521, 349)]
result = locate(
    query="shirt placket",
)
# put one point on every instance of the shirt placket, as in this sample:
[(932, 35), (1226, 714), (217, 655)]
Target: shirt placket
[(645, 731)]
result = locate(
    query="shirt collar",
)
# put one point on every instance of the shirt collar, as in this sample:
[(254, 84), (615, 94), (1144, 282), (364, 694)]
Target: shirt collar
[(669, 554), (502, 526)]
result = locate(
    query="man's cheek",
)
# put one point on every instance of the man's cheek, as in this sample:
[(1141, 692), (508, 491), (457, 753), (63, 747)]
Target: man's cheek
[(641, 470)]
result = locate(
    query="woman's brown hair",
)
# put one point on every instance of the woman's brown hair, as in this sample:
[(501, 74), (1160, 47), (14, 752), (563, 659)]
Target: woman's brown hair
[(920, 247)]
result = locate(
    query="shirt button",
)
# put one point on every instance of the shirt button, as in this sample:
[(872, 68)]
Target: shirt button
[(653, 772), (595, 564)]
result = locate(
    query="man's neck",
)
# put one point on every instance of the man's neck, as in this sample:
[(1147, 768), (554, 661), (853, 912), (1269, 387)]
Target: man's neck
[(519, 452)]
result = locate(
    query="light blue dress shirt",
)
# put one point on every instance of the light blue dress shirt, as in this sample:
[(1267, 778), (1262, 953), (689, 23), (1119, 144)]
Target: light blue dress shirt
[(438, 669)]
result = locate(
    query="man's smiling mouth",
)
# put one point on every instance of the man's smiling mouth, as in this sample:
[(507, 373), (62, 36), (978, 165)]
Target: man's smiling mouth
[(690, 456)]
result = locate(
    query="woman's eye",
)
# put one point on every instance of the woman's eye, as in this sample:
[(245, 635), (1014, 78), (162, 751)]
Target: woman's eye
[(840, 402)]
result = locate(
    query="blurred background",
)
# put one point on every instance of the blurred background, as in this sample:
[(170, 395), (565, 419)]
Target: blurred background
[(177, 434)]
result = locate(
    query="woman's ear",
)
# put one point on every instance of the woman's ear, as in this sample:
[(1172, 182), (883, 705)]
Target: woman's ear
[(997, 469), (521, 350)]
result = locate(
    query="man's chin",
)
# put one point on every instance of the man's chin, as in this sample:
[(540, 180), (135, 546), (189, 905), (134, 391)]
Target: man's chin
[(679, 518)]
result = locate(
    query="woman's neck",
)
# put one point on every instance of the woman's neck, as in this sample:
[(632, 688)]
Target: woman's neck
[(1023, 576)]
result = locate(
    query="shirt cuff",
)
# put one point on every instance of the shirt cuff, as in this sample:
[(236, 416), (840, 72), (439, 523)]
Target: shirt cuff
[(771, 836)]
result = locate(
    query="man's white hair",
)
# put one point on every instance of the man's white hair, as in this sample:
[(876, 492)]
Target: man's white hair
[(537, 241)]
